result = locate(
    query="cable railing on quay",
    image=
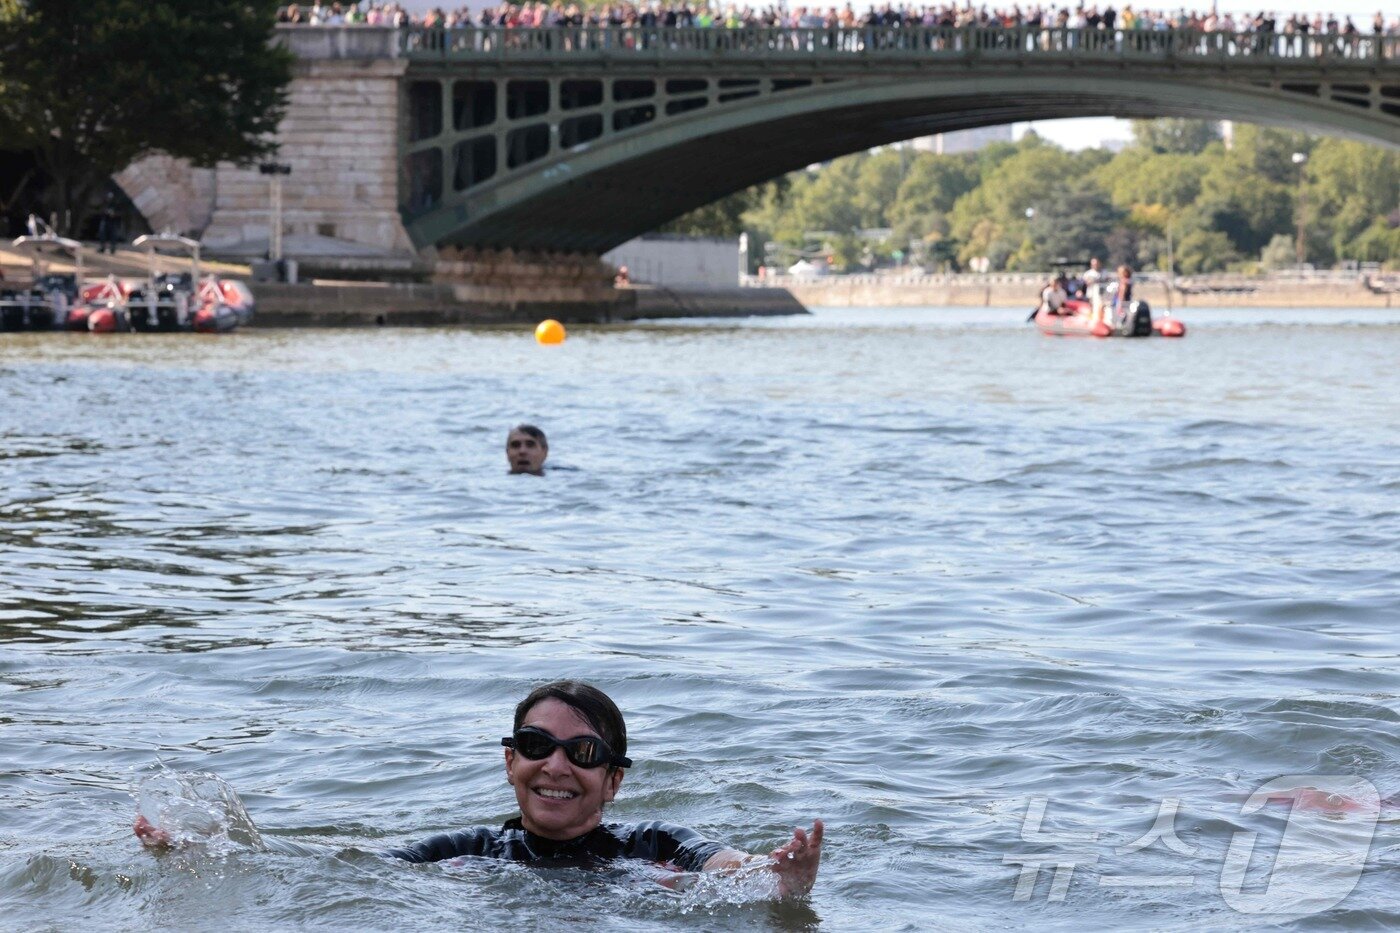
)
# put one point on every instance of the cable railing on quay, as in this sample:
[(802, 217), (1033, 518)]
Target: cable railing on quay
[(897, 41), (1035, 280)]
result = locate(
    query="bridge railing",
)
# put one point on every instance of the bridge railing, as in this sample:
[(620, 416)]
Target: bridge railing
[(892, 41)]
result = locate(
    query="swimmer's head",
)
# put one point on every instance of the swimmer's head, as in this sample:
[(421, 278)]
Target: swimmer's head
[(562, 777), (592, 705), (526, 449)]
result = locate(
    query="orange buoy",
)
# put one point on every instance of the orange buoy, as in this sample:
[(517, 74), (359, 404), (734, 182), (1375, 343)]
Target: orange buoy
[(550, 333)]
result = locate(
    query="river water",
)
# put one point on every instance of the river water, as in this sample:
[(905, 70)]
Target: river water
[(971, 595)]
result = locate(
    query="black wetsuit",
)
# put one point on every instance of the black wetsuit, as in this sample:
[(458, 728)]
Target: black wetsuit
[(653, 841)]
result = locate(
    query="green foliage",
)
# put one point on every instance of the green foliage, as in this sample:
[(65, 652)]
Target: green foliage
[(845, 252), (932, 184), (991, 220), (1179, 136), (1204, 251), (1350, 188), (1379, 242), (1137, 176), (1269, 152), (1281, 252), (90, 86), (1236, 201), (1223, 207), (1074, 225), (725, 217), (877, 185)]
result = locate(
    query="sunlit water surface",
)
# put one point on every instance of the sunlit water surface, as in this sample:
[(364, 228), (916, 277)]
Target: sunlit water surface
[(906, 570)]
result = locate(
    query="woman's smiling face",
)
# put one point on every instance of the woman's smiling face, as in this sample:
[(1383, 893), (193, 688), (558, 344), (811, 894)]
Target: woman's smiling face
[(558, 799)]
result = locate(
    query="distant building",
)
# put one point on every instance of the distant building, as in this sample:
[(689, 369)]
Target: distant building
[(963, 140), (671, 260)]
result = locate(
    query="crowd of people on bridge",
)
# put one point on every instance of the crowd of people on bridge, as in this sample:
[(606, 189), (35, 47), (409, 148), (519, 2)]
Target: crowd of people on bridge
[(655, 14)]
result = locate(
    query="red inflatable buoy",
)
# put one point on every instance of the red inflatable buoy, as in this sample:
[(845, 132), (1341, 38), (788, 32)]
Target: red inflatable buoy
[(1169, 327)]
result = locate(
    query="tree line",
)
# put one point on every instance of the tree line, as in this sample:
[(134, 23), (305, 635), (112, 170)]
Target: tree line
[(89, 86), (1177, 189)]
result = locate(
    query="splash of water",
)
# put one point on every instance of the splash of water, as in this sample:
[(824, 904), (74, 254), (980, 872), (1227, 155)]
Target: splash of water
[(750, 884), (197, 807)]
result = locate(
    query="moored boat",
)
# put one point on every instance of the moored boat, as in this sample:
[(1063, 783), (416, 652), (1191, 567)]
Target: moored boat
[(173, 301), (44, 301), (101, 307)]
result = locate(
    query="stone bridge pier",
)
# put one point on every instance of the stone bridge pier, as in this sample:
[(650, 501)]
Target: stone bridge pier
[(340, 137)]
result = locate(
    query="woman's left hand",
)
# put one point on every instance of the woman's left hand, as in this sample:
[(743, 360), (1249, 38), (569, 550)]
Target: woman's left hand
[(796, 862)]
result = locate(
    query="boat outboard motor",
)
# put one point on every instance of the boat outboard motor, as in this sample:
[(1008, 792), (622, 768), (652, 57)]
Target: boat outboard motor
[(59, 291), (12, 309), (1139, 320)]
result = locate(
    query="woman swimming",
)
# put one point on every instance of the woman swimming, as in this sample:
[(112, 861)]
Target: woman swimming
[(566, 758)]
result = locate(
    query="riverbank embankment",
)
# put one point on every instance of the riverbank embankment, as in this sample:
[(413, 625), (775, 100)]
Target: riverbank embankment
[(866, 291), (425, 305), (467, 289)]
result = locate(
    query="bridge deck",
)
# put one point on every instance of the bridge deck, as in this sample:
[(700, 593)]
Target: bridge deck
[(657, 44)]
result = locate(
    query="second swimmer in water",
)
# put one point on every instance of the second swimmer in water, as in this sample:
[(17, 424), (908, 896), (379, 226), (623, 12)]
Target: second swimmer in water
[(526, 449)]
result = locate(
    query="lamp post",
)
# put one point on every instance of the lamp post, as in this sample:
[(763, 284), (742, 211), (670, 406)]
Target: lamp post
[(276, 170), (1171, 264), (1300, 159)]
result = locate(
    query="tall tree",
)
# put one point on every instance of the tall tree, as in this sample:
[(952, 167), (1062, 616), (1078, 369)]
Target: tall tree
[(725, 217), (1173, 135), (1352, 188), (933, 184), (1075, 226), (90, 86)]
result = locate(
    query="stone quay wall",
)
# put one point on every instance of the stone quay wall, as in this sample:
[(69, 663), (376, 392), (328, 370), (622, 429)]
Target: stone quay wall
[(445, 304), (860, 292)]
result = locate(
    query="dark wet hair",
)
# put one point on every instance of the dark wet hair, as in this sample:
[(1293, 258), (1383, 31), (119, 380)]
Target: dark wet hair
[(538, 435), (595, 706)]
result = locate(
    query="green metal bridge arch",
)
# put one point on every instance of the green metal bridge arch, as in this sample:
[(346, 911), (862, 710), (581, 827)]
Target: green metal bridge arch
[(578, 139)]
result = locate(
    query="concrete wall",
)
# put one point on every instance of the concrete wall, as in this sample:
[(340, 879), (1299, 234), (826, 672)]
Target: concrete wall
[(860, 292), (675, 261)]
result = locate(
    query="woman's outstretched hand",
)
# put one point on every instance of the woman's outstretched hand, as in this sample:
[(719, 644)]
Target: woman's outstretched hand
[(796, 862), (151, 836)]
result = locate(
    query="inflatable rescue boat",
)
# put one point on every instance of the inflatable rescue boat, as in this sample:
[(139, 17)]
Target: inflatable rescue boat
[(1075, 318)]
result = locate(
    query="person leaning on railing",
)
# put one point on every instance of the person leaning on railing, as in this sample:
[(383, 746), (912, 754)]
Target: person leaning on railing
[(1081, 30)]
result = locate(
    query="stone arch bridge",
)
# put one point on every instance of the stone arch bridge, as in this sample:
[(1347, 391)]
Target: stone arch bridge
[(577, 139)]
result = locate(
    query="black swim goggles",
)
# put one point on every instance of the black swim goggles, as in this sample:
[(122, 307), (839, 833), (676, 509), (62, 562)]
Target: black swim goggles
[(586, 751)]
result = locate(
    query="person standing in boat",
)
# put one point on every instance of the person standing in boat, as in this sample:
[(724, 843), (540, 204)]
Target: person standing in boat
[(1123, 291), (1093, 287)]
